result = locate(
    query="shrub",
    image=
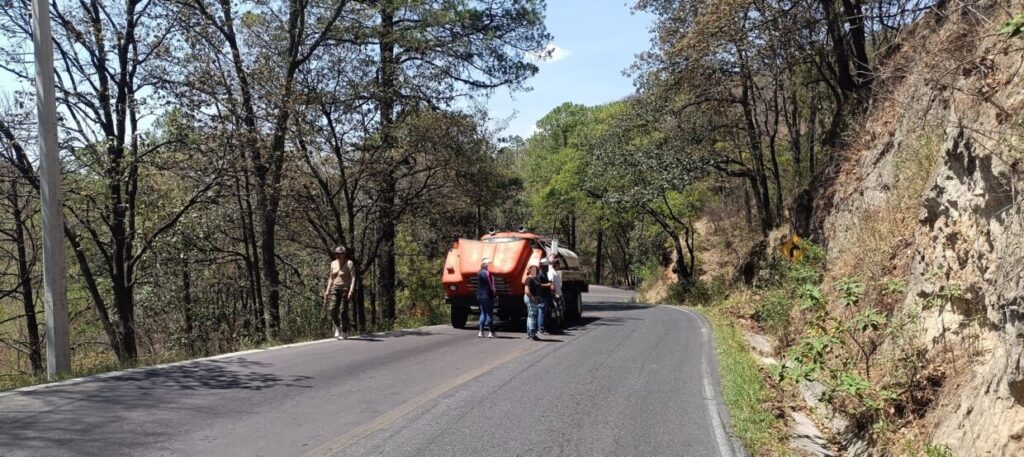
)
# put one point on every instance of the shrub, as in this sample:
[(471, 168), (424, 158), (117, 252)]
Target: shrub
[(774, 314)]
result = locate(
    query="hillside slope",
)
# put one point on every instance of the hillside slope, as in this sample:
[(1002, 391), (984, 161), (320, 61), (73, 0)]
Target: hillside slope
[(930, 193)]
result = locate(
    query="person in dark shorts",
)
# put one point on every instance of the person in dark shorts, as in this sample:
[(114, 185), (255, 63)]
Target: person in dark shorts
[(341, 284)]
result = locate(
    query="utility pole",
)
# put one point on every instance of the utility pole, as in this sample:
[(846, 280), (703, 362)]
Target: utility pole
[(55, 299)]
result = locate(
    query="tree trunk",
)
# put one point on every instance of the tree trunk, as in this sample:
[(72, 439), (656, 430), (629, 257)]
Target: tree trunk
[(35, 352), (688, 232), (124, 298), (791, 108), (572, 231), (837, 36), (600, 255), (748, 211), (388, 223), (773, 153), (759, 179), (252, 258), (268, 258), (681, 270), (855, 19), (186, 309), (812, 124), (360, 301)]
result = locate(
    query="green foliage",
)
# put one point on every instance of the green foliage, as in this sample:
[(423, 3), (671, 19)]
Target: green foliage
[(946, 294), (1013, 27), (850, 291), (894, 287), (787, 285), (951, 291), (839, 338), (419, 296), (774, 313), (811, 298), (852, 384), (704, 292), (937, 450), (869, 320), (808, 357), (551, 165)]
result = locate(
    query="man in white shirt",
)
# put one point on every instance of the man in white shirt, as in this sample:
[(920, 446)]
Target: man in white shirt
[(556, 284)]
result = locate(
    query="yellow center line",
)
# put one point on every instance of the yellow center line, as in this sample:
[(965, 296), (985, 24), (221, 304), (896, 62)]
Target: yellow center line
[(338, 445)]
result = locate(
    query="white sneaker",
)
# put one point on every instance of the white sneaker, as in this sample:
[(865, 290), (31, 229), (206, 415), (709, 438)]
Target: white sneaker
[(480, 334), (490, 334)]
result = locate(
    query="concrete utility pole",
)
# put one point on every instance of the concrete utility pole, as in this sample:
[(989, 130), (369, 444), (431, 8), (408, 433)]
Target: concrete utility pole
[(55, 299)]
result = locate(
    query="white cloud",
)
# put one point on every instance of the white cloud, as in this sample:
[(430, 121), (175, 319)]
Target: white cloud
[(533, 129), (551, 53)]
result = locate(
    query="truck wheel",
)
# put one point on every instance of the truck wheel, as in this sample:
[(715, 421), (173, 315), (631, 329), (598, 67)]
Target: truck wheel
[(459, 316), (570, 307), (576, 306)]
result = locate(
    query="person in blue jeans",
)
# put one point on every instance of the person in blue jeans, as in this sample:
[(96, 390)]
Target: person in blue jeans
[(486, 295), (545, 295), (531, 299)]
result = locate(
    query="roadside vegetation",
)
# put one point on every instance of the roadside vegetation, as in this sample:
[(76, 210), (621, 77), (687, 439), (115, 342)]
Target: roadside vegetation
[(751, 401)]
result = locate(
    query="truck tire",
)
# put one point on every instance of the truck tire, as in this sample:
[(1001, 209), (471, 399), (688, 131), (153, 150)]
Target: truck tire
[(459, 316), (574, 306)]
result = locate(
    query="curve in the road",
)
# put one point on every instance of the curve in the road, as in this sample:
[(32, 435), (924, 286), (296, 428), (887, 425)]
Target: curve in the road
[(627, 380)]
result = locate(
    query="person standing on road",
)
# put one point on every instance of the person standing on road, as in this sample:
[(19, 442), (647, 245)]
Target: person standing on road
[(545, 295), (341, 283), (532, 295), (486, 295), (556, 285)]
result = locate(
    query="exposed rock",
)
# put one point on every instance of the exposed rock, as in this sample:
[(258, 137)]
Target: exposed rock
[(963, 250), (762, 344), (807, 439)]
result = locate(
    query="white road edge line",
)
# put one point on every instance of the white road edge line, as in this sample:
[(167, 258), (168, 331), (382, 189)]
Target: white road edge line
[(710, 398), (113, 374)]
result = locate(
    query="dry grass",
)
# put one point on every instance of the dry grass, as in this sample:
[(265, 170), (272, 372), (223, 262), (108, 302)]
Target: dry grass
[(877, 238)]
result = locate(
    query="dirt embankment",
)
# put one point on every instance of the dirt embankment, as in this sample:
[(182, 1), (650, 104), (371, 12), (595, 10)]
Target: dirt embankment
[(930, 192)]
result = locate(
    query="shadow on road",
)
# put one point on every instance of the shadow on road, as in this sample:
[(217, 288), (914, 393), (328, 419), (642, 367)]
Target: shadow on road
[(588, 319), (375, 337), (99, 409), (220, 374), (611, 307)]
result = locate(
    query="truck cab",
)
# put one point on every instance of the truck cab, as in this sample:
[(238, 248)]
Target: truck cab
[(511, 255)]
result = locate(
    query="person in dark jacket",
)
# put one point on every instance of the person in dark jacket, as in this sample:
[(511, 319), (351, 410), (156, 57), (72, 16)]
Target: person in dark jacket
[(486, 295)]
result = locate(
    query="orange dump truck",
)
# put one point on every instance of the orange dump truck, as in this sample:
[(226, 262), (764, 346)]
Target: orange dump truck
[(511, 254)]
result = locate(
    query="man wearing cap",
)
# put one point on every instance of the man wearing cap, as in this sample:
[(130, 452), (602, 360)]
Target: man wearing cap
[(341, 282), (486, 294)]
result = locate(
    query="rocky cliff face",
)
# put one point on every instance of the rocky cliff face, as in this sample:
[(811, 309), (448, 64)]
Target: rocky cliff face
[(932, 190)]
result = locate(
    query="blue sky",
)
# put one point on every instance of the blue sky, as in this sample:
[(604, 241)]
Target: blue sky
[(596, 40)]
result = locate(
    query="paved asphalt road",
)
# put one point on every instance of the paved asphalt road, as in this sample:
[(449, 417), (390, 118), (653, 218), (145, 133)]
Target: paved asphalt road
[(627, 380)]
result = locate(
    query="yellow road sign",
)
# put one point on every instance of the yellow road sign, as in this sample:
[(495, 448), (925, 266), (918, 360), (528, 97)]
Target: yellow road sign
[(791, 249)]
